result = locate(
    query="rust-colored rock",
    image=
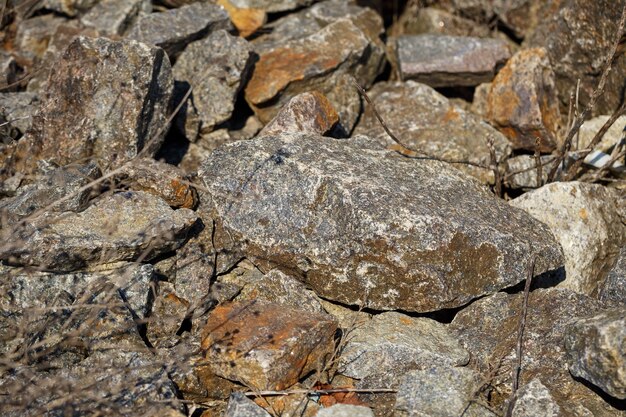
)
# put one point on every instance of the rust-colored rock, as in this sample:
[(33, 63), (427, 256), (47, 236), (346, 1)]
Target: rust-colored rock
[(523, 103), (246, 20), (306, 112), (266, 346)]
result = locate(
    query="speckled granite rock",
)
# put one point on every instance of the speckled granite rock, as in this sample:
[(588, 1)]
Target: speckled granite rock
[(425, 120), (241, 406), (174, 29), (122, 226), (443, 61), (366, 226), (585, 220), (116, 108), (595, 350), (534, 399), (613, 290)]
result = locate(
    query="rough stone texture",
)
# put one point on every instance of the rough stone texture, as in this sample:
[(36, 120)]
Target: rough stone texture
[(577, 35), (519, 16), (309, 112), (320, 49), (68, 7), (590, 127), (425, 120), (534, 399), (585, 220), (215, 67), (432, 20), (443, 61), (525, 172), (163, 180), (345, 410), (58, 191), (266, 346), (168, 313), (246, 20), (595, 351), (115, 17), (523, 101), (116, 107), (550, 312), (19, 109), (366, 226), (241, 406), (33, 35), (391, 344), (613, 289), (452, 388), (279, 288), (173, 29), (122, 226), (272, 6)]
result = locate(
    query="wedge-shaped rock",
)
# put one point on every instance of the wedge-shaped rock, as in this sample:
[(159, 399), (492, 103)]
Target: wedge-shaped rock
[(123, 226), (425, 120), (266, 346), (367, 226), (106, 100)]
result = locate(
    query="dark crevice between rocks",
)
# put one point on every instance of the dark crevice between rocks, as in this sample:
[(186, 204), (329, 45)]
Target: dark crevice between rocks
[(612, 401), (547, 279), (464, 93)]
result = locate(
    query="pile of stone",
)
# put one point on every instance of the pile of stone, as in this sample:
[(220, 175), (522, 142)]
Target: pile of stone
[(201, 214)]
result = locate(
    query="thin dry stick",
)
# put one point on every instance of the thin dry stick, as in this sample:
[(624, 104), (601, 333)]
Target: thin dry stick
[(318, 391), (595, 95), (520, 336)]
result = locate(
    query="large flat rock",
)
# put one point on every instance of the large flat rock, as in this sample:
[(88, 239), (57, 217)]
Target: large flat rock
[(365, 226)]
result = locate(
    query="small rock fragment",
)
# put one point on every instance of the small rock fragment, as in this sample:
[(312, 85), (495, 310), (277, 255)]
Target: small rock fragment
[(523, 101), (18, 109), (241, 406), (443, 61), (521, 171), (595, 351), (266, 346), (174, 29), (534, 399), (306, 112), (247, 20)]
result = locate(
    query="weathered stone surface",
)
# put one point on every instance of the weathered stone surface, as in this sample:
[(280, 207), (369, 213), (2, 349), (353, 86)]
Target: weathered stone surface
[(442, 61), (19, 109), (425, 120), (266, 346), (550, 312), (519, 16), (163, 180), (585, 220), (309, 112), (123, 226), (534, 399), (613, 289), (440, 390), (116, 107), (167, 315), (241, 406), (369, 227), (391, 344), (595, 351), (272, 6), (246, 20), (345, 410), (319, 49), (114, 17), (523, 101), (33, 35), (577, 35), (215, 67), (433, 20), (58, 191), (521, 171), (68, 7), (610, 138), (174, 29)]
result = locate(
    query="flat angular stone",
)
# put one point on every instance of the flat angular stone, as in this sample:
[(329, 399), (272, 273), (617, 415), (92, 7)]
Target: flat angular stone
[(123, 226), (247, 20), (321, 49), (439, 391), (595, 351), (306, 112), (523, 101), (534, 399), (272, 6), (117, 106), (174, 29), (613, 290), (115, 17), (443, 61), (369, 227), (425, 120), (215, 67), (266, 346), (391, 344), (241, 406), (163, 180), (577, 35), (489, 329), (585, 220)]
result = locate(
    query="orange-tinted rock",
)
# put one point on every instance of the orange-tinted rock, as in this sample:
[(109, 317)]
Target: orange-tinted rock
[(306, 112), (523, 101), (266, 346), (246, 20)]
